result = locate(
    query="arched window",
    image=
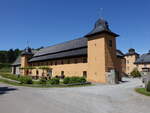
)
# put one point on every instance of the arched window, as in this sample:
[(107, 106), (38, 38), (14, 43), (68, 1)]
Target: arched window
[(85, 74)]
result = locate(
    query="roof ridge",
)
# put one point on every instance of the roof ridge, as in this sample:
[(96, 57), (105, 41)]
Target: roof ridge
[(62, 43)]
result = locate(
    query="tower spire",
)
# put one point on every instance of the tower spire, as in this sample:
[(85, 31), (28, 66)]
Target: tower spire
[(27, 43), (101, 13)]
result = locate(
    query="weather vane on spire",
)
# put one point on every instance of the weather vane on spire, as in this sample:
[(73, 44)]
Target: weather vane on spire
[(27, 43), (101, 12)]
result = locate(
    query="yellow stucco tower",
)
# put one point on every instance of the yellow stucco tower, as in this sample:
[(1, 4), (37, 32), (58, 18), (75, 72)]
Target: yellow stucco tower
[(131, 57), (101, 52), (25, 56)]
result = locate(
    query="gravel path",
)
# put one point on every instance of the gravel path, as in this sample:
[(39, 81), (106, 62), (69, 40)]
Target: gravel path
[(93, 99)]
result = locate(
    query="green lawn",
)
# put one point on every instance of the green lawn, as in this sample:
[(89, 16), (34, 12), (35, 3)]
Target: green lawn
[(142, 91)]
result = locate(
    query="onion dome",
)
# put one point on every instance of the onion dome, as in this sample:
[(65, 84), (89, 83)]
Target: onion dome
[(131, 51), (101, 25), (27, 51)]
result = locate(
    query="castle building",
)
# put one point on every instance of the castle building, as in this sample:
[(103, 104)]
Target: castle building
[(131, 58), (93, 56), (143, 62)]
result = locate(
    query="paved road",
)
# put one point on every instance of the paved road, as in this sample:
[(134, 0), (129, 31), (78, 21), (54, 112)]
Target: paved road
[(94, 99)]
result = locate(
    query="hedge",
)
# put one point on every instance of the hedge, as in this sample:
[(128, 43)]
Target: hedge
[(70, 80), (42, 81), (54, 81), (25, 80)]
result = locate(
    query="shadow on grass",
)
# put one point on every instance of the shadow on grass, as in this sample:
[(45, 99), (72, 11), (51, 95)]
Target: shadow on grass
[(4, 90)]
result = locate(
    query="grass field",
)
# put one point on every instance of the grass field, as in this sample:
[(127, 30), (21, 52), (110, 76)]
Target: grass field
[(5, 67), (142, 91)]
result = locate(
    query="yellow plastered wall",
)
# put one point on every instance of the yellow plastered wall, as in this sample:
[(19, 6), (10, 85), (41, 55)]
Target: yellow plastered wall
[(96, 59), (24, 60), (24, 63), (101, 57), (72, 69), (130, 59)]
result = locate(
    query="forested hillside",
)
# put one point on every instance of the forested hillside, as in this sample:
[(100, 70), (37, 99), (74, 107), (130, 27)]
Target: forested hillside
[(9, 56)]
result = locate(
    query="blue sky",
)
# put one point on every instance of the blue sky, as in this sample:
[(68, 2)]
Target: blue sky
[(48, 22)]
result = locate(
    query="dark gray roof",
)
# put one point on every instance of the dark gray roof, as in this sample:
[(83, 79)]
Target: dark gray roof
[(119, 53), (144, 59), (77, 47), (65, 54), (27, 51), (131, 51), (17, 61), (73, 44), (67, 49), (101, 26)]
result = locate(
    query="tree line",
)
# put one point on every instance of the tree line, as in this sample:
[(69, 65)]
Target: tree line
[(9, 56)]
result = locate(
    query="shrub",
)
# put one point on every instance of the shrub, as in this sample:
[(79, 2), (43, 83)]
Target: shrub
[(25, 80), (142, 91), (82, 80), (42, 80), (74, 80), (54, 81), (66, 80), (135, 73), (148, 86), (70, 80)]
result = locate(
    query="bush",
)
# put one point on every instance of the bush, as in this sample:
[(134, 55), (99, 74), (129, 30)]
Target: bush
[(142, 91), (42, 80), (70, 80), (25, 80), (148, 86), (66, 80), (135, 73), (54, 81), (82, 80)]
